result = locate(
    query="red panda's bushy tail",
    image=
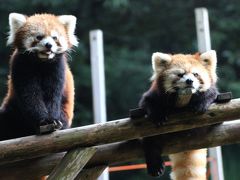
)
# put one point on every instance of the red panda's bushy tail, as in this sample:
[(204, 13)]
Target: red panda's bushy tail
[(189, 165)]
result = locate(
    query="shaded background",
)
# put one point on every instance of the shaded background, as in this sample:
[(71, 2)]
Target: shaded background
[(133, 30)]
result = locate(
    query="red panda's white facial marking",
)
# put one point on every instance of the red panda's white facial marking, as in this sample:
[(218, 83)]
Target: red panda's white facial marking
[(180, 79), (185, 71), (46, 46), (44, 34), (159, 63)]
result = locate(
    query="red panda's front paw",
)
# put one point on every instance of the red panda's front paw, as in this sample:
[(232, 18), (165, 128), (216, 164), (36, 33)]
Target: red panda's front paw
[(54, 122), (156, 167), (200, 108), (157, 118), (48, 125), (161, 120)]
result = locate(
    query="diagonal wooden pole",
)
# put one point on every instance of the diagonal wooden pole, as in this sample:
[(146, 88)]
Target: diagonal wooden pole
[(72, 163)]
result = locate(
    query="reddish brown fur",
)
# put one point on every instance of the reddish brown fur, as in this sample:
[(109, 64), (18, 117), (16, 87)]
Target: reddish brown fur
[(188, 62), (68, 105), (184, 164)]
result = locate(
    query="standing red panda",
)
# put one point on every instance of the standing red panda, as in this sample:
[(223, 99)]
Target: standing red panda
[(172, 73), (40, 83)]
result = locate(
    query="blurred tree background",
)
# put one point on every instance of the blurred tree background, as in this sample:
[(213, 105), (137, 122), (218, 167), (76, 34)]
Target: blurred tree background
[(133, 30)]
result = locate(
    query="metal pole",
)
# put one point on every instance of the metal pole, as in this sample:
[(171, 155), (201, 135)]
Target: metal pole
[(98, 82), (204, 44)]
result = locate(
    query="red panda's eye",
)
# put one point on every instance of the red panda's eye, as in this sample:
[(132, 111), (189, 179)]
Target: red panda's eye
[(180, 75), (39, 37), (54, 38), (196, 74)]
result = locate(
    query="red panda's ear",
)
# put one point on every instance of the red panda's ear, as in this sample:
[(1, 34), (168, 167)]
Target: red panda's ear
[(159, 63), (16, 21), (209, 60), (69, 22)]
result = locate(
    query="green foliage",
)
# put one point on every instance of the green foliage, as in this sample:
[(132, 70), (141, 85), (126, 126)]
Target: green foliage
[(133, 30), (231, 162)]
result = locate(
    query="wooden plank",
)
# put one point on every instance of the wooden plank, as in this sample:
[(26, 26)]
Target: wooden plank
[(91, 173), (72, 163), (113, 131)]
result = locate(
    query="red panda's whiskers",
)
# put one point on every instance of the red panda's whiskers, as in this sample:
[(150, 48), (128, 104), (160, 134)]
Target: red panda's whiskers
[(72, 50), (69, 57), (32, 49)]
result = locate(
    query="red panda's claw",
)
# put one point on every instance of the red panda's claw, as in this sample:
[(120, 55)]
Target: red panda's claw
[(58, 124), (156, 172), (159, 124), (162, 120), (157, 119)]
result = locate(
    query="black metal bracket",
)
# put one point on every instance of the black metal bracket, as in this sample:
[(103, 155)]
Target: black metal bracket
[(224, 97)]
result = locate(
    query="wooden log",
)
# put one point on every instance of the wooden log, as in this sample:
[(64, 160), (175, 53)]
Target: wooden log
[(72, 163), (91, 173), (113, 131), (131, 150)]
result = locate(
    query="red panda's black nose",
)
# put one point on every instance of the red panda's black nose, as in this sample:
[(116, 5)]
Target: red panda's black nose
[(48, 45), (189, 82)]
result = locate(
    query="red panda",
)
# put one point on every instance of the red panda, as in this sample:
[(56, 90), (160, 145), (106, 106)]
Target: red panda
[(40, 83), (172, 73)]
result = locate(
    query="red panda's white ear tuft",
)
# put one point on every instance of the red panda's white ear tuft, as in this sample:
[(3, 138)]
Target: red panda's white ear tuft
[(209, 60), (15, 22), (159, 63), (160, 60), (69, 22)]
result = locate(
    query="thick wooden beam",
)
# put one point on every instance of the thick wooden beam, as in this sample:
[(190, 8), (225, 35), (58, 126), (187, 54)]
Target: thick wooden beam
[(113, 131), (131, 150), (72, 163)]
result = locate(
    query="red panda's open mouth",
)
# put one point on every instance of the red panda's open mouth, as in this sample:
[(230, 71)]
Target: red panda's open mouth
[(184, 88), (46, 54)]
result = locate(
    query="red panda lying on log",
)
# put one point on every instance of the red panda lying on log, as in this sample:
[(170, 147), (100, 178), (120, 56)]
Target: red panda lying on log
[(171, 74)]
